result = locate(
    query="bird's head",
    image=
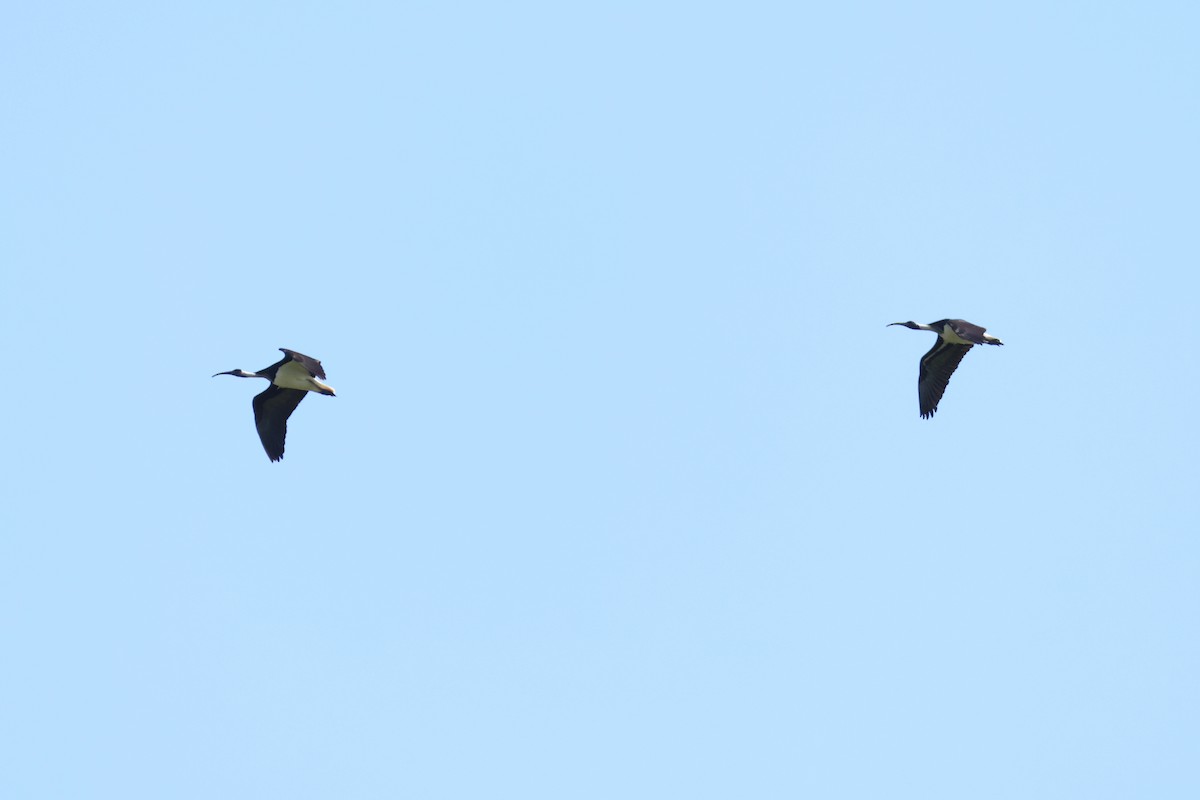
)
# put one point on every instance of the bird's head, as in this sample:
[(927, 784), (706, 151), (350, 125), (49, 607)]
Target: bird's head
[(241, 373), (910, 324)]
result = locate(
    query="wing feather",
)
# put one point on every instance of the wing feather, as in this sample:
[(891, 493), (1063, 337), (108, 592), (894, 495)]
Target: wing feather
[(936, 368), (968, 330), (311, 364), (271, 411)]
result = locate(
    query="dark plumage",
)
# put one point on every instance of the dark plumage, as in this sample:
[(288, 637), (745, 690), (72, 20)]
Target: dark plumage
[(271, 411)]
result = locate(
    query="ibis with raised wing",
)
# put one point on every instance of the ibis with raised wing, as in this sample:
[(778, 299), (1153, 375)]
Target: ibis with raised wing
[(291, 379), (955, 338)]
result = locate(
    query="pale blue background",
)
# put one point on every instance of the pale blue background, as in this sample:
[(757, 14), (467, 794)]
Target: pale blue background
[(625, 493)]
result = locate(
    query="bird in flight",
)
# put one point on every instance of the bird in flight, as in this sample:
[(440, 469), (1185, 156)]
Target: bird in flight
[(955, 338), (291, 379)]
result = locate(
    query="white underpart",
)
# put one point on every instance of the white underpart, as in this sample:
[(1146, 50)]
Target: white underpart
[(323, 388), (294, 376), (953, 338)]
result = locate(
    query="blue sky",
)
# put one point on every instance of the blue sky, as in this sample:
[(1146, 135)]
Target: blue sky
[(625, 493)]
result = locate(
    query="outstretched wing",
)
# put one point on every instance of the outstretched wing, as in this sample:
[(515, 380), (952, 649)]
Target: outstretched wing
[(311, 364), (968, 330), (271, 411), (936, 368)]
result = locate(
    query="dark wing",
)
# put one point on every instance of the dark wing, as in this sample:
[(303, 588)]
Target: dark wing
[(311, 364), (936, 368), (967, 330), (271, 411)]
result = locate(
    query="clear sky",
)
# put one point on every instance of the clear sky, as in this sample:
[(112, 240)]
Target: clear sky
[(624, 493)]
